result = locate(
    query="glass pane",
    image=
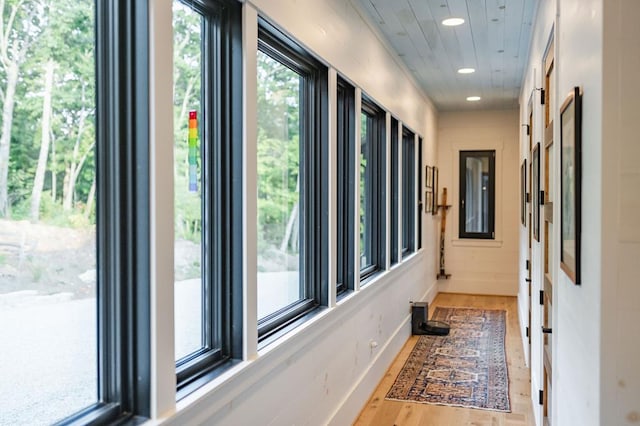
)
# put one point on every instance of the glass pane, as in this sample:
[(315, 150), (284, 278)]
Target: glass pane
[(365, 196), (394, 191), (279, 224), (187, 108), (477, 194), (48, 315), (408, 194)]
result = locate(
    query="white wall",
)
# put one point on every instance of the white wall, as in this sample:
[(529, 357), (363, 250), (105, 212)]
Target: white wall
[(325, 370), (620, 192), (576, 357), (577, 318), (481, 266)]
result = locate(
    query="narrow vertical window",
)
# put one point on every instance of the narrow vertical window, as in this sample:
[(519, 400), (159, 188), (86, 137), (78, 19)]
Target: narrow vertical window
[(346, 186), (207, 172), (372, 190), (408, 192), (291, 197), (419, 207), (477, 194), (395, 192), (190, 288)]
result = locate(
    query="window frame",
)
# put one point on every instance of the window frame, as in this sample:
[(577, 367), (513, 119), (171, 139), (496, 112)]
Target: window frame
[(491, 156), (314, 196), (394, 257), (345, 203), (376, 122), (421, 202), (221, 160), (408, 192), (122, 212)]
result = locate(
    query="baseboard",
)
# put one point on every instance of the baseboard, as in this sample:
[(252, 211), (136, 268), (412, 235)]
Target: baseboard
[(483, 287), (351, 406)]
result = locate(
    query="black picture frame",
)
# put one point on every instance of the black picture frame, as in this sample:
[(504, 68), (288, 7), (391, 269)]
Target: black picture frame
[(434, 208), (428, 201), (428, 177), (535, 191), (570, 184), (523, 192)]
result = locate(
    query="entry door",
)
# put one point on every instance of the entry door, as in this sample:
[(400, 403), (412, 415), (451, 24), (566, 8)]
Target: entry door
[(547, 206)]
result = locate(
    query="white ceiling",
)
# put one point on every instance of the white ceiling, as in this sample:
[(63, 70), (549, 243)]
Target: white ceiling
[(494, 40)]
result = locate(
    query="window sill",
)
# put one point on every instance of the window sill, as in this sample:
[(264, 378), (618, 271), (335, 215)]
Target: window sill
[(470, 242)]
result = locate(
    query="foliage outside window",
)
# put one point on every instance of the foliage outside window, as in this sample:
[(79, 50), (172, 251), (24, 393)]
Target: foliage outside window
[(48, 304), (477, 194)]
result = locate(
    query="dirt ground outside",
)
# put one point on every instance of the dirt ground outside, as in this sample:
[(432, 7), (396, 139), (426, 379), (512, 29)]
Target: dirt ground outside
[(47, 259)]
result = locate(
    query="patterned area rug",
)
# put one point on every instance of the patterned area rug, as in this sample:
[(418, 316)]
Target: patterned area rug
[(467, 368)]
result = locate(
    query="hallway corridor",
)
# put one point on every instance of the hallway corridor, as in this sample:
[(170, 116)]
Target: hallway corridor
[(380, 411)]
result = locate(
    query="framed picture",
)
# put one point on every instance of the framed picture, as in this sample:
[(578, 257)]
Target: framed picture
[(570, 184), (428, 201), (523, 192), (535, 191), (428, 177), (434, 208)]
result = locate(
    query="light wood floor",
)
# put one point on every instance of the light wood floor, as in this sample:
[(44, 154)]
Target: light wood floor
[(381, 412)]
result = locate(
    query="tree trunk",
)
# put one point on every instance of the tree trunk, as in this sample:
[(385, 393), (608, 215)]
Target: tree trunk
[(289, 234), (5, 139), (54, 176), (74, 169), (38, 181), (90, 199)]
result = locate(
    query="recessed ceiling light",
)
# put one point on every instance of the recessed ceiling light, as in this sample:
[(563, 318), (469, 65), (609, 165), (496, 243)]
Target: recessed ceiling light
[(473, 98), (452, 22), (466, 70)]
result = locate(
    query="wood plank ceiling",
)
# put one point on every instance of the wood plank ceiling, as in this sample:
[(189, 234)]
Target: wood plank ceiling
[(494, 40)]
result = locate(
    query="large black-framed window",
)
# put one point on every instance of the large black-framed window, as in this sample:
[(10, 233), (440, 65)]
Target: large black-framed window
[(345, 204), (477, 194), (372, 189), (208, 188), (419, 207), (122, 215), (292, 154), (395, 191), (408, 192)]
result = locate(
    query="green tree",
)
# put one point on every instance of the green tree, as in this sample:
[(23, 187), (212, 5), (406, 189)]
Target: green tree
[(278, 156), (21, 24)]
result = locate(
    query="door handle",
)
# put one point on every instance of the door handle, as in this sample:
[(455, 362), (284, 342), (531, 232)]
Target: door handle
[(546, 330)]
